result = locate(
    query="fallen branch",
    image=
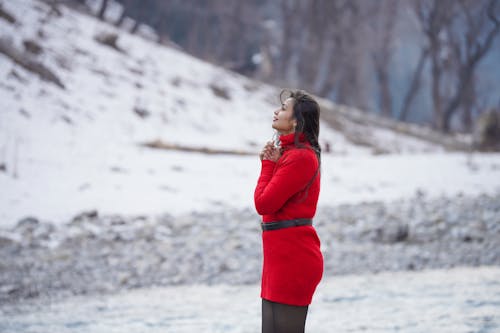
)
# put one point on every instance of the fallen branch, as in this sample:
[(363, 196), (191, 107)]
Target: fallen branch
[(158, 144)]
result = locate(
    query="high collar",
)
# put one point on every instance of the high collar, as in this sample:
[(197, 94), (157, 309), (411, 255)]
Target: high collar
[(288, 140)]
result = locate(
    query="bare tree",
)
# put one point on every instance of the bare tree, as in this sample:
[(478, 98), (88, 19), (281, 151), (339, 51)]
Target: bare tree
[(102, 10), (290, 29), (351, 84), (340, 48), (327, 27), (434, 16), (459, 34), (321, 46), (123, 15), (385, 15), (482, 24)]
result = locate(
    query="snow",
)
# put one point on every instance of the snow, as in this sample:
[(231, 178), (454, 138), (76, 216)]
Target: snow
[(446, 300), (150, 182), (78, 149)]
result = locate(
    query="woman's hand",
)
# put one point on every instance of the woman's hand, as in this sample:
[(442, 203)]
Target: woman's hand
[(270, 152), (267, 147)]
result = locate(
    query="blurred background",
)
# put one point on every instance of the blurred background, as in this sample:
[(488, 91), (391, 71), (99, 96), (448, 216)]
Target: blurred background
[(429, 62), (129, 140)]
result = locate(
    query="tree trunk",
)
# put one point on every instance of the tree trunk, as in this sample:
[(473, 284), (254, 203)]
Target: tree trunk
[(102, 11), (469, 101), (120, 20), (414, 86), (323, 66), (464, 85), (287, 10), (438, 120), (385, 94), (135, 27), (385, 15)]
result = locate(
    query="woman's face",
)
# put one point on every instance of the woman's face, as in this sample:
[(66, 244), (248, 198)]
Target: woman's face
[(283, 120)]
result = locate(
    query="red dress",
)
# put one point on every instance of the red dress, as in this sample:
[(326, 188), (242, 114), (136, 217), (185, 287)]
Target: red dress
[(293, 263)]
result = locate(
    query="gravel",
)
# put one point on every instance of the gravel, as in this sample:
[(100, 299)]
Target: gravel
[(93, 254)]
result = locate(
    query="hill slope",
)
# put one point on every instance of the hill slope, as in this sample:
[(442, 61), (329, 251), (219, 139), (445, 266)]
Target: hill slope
[(79, 98)]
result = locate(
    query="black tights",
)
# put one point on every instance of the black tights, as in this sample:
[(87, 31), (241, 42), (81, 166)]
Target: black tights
[(282, 318)]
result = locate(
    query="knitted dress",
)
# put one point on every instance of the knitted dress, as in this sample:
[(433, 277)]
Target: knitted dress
[(289, 189)]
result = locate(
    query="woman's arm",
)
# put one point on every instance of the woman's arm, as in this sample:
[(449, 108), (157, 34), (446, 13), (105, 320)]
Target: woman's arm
[(294, 172)]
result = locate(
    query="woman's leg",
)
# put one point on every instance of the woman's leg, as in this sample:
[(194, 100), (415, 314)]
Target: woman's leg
[(283, 318), (267, 317)]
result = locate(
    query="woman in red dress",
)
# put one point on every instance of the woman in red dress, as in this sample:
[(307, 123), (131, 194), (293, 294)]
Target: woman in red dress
[(286, 196)]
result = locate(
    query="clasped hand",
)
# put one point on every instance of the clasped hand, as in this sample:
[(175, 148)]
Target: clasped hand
[(270, 152)]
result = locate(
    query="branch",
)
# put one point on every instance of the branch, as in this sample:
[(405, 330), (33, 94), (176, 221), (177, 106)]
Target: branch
[(491, 13), (481, 50)]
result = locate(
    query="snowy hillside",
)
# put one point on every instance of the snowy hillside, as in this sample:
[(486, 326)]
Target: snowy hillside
[(77, 145)]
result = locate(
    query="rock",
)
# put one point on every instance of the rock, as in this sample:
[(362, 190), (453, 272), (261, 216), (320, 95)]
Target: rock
[(86, 215), (9, 289), (32, 46), (109, 39), (219, 91), (4, 14), (43, 231), (401, 233), (7, 241), (25, 61), (29, 221), (27, 224), (391, 233), (141, 112), (96, 253), (486, 133)]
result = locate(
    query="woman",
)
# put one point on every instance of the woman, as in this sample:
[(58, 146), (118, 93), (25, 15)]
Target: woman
[(286, 196)]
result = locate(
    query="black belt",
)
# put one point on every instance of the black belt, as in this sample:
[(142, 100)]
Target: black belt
[(285, 224)]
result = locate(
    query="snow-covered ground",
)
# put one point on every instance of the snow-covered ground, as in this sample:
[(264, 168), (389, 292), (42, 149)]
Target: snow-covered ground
[(458, 300), (74, 149), (154, 182)]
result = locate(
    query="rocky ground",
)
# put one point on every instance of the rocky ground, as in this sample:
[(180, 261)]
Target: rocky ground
[(99, 254)]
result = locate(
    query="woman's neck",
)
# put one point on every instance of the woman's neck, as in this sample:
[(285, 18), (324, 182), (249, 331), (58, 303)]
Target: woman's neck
[(286, 132)]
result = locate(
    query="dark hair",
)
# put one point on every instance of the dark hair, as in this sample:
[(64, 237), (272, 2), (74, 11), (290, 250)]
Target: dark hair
[(306, 111)]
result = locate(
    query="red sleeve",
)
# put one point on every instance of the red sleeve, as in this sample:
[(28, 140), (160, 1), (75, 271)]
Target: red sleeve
[(292, 175)]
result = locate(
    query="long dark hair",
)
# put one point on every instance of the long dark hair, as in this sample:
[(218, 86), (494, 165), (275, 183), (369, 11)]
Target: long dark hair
[(306, 111)]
